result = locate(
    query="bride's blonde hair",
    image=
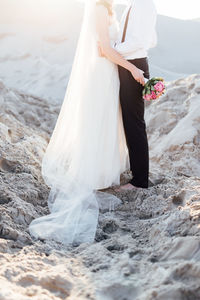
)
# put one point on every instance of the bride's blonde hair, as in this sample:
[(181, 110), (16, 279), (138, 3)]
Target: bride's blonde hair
[(108, 4)]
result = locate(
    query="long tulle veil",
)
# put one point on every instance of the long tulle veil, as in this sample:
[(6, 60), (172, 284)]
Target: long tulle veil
[(74, 201)]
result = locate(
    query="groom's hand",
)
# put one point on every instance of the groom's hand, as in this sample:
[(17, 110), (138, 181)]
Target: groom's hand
[(138, 75)]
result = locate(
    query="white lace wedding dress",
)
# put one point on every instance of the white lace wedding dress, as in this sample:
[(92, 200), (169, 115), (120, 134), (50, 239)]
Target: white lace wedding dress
[(87, 150)]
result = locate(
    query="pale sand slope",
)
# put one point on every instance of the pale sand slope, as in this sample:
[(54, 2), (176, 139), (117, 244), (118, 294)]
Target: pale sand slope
[(178, 46), (149, 249)]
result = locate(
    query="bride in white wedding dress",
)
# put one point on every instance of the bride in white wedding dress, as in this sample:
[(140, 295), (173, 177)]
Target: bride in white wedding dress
[(87, 150)]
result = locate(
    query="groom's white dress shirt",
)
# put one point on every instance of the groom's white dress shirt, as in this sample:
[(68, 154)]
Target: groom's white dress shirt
[(141, 32)]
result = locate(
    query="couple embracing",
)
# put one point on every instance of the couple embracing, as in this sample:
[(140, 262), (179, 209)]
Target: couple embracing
[(100, 131)]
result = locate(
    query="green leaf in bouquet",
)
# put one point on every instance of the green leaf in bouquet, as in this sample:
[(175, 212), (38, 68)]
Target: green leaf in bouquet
[(146, 86), (149, 90), (149, 85), (148, 82), (154, 79)]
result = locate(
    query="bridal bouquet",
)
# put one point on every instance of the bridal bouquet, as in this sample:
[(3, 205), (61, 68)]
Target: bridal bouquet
[(153, 89)]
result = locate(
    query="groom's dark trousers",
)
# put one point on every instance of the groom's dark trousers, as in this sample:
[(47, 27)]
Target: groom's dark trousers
[(132, 105)]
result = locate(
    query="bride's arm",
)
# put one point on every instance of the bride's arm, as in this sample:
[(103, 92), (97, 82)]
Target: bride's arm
[(102, 24)]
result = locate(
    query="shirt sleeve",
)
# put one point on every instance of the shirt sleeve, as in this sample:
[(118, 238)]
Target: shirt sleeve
[(140, 31)]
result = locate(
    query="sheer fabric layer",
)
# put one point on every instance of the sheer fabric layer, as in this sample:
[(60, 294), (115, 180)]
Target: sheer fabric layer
[(87, 149)]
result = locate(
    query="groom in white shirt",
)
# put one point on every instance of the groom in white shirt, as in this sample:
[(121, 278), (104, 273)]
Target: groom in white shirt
[(137, 34)]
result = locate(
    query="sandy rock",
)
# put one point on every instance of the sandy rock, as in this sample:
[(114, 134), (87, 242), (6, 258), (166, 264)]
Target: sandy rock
[(148, 249), (173, 128)]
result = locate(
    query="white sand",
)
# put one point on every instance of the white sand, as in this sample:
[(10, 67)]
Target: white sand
[(148, 249)]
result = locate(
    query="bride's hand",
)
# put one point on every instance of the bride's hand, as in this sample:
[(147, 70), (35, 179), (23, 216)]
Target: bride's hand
[(100, 50), (138, 75)]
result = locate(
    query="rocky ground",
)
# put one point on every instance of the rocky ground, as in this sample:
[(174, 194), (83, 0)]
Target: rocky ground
[(148, 249)]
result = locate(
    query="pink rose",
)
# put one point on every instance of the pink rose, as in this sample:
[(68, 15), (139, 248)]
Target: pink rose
[(148, 97), (153, 95), (159, 86)]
